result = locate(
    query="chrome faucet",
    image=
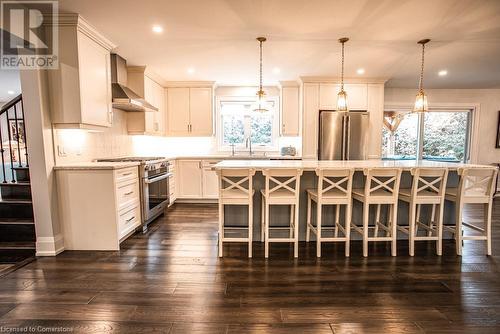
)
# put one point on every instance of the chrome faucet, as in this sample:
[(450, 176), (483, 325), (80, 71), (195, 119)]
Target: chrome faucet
[(248, 144)]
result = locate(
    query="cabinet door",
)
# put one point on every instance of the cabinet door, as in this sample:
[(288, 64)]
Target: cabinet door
[(200, 101), (328, 96), (95, 82), (210, 180), (160, 115), (357, 96), (178, 111), (310, 121), (290, 111), (189, 180)]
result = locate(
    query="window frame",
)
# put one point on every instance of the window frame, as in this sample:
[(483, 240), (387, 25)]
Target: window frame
[(472, 111), (255, 147)]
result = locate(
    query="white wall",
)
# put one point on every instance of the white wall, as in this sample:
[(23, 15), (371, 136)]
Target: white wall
[(488, 101)]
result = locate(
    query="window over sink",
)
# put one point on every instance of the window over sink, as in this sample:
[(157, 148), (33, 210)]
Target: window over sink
[(237, 123)]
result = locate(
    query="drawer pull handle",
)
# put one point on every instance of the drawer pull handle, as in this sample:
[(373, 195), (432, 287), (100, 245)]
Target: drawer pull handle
[(127, 174), (129, 193), (130, 219)]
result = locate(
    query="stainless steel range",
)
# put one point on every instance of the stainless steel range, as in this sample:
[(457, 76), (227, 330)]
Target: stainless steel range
[(154, 177)]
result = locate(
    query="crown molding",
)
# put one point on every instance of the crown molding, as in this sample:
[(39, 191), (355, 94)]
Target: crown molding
[(356, 80), (172, 84)]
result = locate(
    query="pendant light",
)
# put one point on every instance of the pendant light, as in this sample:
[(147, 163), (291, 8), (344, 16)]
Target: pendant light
[(261, 104), (421, 98), (342, 95)]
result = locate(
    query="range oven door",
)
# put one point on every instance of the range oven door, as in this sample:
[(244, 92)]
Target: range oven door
[(156, 195)]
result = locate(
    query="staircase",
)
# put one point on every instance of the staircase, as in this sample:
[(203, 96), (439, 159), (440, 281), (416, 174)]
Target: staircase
[(17, 226)]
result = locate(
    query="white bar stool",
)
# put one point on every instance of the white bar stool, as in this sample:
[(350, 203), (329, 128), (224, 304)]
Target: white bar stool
[(428, 187), (334, 188), (476, 186), (282, 188), (235, 188), (381, 188)]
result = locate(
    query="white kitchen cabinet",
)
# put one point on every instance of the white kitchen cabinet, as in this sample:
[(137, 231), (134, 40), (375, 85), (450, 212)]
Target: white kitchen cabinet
[(210, 180), (80, 89), (310, 120), (148, 122), (190, 179), (190, 111), (99, 208), (196, 180), (178, 111), (290, 110), (357, 96)]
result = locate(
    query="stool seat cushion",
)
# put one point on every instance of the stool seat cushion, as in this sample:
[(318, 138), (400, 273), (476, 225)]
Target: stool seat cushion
[(280, 193), (331, 194), (405, 194), (234, 193), (360, 193)]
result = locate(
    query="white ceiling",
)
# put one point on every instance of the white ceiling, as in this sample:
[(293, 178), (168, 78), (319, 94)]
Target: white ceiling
[(9, 81), (217, 38)]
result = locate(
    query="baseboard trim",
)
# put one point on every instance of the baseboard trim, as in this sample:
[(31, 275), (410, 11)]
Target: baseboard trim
[(49, 246), (199, 201)]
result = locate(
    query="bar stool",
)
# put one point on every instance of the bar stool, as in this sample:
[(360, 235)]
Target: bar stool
[(476, 186), (334, 188), (428, 187), (235, 188), (281, 188), (381, 188)]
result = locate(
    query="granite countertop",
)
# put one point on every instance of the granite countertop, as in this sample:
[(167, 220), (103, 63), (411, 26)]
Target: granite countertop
[(356, 164), (96, 165)]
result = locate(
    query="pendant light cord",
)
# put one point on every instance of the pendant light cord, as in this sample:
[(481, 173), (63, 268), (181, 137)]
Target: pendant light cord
[(260, 69), (342, 70), (421, 83)]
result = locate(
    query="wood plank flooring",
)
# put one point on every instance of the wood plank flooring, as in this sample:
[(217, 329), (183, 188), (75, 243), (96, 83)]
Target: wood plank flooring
[(171, 281)]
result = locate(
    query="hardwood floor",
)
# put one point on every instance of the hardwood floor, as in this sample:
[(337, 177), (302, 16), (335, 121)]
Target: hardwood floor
[(171, 281)]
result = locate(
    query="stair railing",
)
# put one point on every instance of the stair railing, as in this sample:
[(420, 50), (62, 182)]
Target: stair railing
[(13, 138)]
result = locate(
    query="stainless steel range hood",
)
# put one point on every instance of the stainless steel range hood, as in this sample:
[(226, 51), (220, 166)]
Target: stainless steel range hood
[(123, 97)]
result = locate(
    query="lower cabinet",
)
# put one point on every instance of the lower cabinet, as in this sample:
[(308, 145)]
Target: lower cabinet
[(98, 208), (197, 180)]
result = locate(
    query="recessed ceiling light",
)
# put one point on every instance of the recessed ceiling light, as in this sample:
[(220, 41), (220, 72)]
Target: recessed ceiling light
[(10, 92), (442, 73), (360, 71), (191, 70), (157, 29), (276, 70)]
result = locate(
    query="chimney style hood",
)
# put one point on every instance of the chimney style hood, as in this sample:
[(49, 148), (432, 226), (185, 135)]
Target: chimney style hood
[(123, 97)]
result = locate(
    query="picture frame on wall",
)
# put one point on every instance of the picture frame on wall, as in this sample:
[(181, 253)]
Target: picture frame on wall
[(498, 132)]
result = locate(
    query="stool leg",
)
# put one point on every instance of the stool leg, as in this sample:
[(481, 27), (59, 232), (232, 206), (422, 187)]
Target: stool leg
[(366, 208), (221, 228), (266, 233), (389, 217), (250, 228), (318, 228), (377, 221), (262, 219), (296, 225), (433, 219), (290, 235), (411, 228), (458, 228), (337, 220), (439, 228), (417, 218), (347, 229), (487, 218), (308, 221), (394, 227)]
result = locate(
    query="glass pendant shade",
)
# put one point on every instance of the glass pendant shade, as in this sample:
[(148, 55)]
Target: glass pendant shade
[(420, 102), (261, 104), (342, 101)]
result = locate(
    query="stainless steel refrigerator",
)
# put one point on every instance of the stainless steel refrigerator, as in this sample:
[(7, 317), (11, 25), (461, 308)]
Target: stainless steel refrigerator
[(342, 135)]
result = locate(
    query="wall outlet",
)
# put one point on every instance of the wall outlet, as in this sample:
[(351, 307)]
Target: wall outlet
[(61, 151)]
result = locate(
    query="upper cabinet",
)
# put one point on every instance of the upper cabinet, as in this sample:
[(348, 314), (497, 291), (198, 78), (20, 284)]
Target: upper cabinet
[(146, 85), (357, 96), (190, 109), (80, 89), (290, 108)]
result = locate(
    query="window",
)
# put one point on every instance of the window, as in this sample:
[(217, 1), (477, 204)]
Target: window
[(238, 122), (434, 135)]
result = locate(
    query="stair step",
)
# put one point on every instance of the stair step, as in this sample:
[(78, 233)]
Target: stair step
[(22, 174), (16, 221), (18, 245), (17, 190), (17, 233), (16, 208)]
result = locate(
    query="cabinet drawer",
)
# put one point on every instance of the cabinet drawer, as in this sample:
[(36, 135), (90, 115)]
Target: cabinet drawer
[(126, 174), (128, 220), (127, 194)]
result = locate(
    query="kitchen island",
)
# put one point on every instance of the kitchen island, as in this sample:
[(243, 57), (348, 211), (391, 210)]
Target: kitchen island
[(238, 215)]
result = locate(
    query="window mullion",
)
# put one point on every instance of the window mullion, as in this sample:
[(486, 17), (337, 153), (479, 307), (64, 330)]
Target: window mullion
[(420, 137)]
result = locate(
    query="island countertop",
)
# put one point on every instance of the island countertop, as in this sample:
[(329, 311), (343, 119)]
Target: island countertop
[(358, 165)]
